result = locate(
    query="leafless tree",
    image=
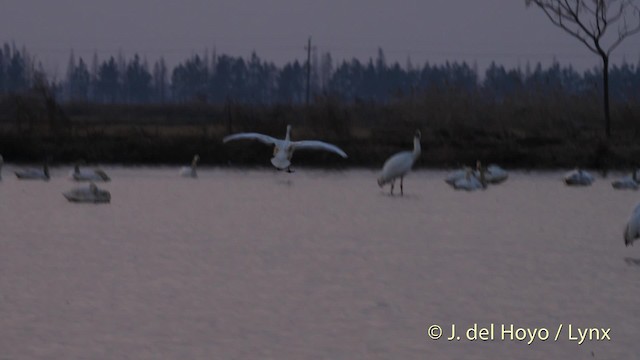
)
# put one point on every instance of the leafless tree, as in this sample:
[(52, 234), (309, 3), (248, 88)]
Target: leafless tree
[(592, 23)]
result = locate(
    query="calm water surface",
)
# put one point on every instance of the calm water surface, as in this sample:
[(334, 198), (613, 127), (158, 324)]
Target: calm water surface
[(312, 265)]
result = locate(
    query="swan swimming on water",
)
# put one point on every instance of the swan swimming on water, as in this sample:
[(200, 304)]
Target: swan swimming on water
[(578, 177), (190, 171), (283, 149), (88, 194), (494, 174), (34, 174), (627, 182), (88, 174), (632, 230), (399, 165), (473, 180)]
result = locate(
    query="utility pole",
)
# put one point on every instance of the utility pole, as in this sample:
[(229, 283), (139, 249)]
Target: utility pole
[(308, 48)]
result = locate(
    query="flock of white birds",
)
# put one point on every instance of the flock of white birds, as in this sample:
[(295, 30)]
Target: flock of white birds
[(396, 167)]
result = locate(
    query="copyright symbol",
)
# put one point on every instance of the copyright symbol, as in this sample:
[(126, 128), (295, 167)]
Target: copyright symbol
[(435, 332)]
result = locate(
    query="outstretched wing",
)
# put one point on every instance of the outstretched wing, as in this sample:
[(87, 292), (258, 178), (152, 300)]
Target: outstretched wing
[(318, 145), (251, 136)]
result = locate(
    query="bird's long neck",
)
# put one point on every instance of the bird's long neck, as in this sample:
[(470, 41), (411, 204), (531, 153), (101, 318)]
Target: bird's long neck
[(288, 136), (416, 147)]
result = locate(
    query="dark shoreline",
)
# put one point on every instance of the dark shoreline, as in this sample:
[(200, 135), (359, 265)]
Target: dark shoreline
[(514, 136)]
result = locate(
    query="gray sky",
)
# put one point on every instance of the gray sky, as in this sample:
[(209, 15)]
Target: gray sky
[(424, 30)]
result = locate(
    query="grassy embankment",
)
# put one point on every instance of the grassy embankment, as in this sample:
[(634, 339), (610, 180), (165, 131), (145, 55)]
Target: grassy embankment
[(564, 132)]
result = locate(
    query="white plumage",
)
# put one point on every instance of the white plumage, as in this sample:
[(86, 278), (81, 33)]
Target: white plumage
[(88, 194), (399, 165), (78, 174), (283, 149), (34, 174), (190, 171), (628, 182), (632, 230), (578, 177)]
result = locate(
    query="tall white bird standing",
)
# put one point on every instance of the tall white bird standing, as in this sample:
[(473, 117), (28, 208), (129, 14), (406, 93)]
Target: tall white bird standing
[(190, 171), (632, 231), (399, 165), (283, 149)]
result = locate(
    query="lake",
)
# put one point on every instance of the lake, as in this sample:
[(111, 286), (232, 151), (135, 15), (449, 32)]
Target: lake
[(259, 264)]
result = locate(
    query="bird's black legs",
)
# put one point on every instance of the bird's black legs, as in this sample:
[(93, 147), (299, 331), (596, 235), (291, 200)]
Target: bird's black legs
[(393, 182), (289, 170), (401, 189)]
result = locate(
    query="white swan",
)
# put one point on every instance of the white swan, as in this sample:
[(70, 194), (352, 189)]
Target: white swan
[(632, 230), (88, 194), (494, 174), (627, 182), (190, 171), (473, 180), (88, 174), (399, 165), (578, 177), (456, 175), (34, 174), (283, 149)]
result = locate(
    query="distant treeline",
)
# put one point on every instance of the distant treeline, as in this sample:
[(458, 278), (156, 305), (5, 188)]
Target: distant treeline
[(217, 79)]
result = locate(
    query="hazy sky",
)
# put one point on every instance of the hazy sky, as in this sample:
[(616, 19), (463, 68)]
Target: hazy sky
[(424, 30)]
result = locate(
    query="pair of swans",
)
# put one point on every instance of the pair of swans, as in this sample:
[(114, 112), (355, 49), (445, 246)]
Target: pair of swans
[(284, 148), (88, 194), (469, 179)]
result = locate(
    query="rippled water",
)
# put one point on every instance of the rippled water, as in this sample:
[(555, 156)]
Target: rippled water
[(311, 265)]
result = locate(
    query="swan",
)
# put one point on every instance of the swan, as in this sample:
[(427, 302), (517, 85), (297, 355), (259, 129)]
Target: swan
[(457, 175), (471, 180), (34, 174), (494, 174), (578, 177), (88, 194), (88, 174), (283, 149), (627, 182), (190, 171), (399, 165), (632, 230)]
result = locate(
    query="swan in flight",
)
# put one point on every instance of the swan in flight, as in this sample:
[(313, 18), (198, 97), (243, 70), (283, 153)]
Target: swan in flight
[(88, 194), (632, 231), (283, 149), (627, 182), (190, 171), (34, 174), (88, 174), (399, 165), (578, 177)]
